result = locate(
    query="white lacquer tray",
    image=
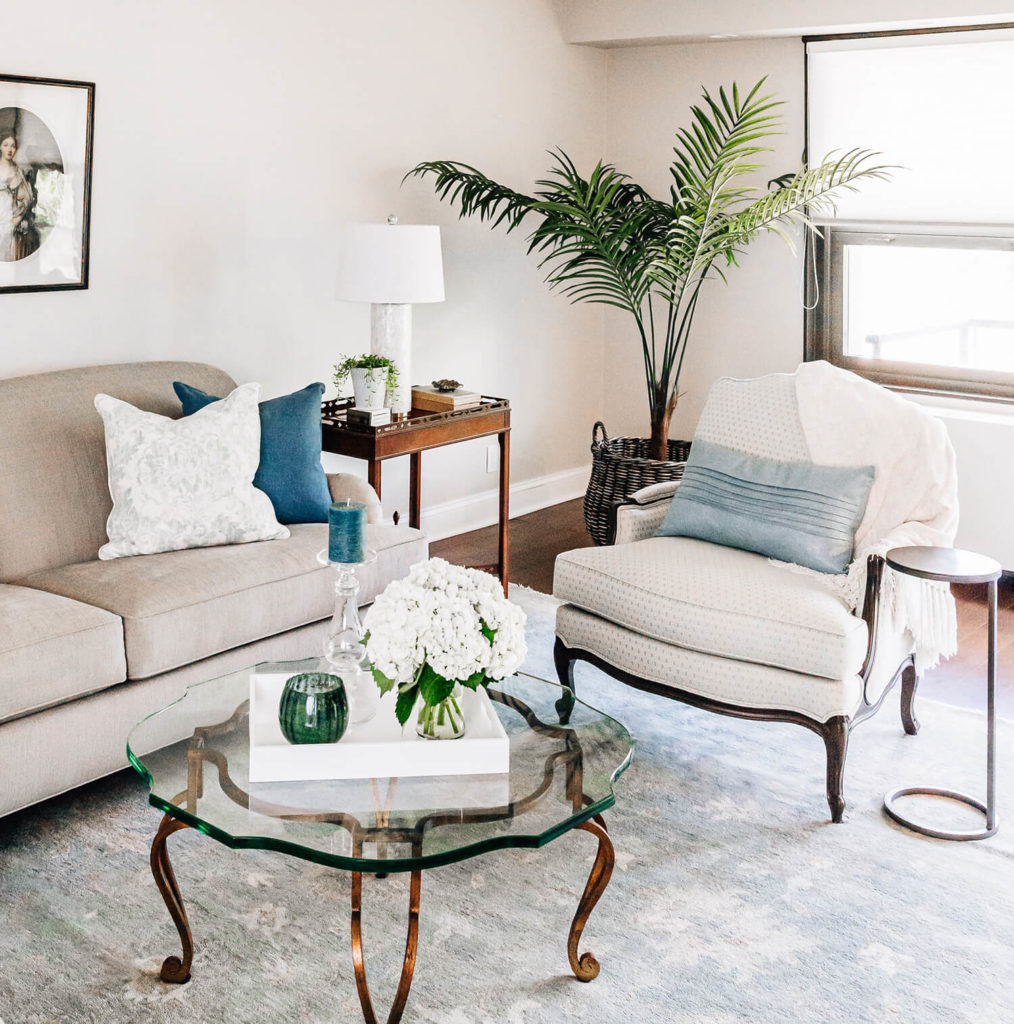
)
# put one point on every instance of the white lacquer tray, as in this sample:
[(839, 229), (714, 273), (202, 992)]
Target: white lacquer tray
[(377, 749)]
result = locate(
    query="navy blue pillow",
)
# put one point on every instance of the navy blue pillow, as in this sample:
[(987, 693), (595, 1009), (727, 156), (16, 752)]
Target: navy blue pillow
[(290, 473), (794, 511)]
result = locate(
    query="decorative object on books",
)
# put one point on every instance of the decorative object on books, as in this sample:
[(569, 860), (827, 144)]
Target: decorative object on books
[(289, 472), (434, 399), (447, 384), (45, 183), (346, 533), (442, 626), (391, 266), (794, 511), (374, 379), (343, 646), (605, 239), (185, 483), (313, 708)]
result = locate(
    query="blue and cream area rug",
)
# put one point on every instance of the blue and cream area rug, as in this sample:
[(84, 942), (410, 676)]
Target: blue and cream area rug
[(733, 898)]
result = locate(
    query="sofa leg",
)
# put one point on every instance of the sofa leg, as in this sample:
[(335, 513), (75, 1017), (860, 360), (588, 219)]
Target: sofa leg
[(565, 673), (836, 742), (909, 684)]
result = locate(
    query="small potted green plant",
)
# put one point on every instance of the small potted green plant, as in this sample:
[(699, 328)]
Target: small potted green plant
[(373, 378)]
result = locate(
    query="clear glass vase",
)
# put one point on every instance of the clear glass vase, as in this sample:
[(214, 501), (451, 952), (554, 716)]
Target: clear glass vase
[(443, 721)]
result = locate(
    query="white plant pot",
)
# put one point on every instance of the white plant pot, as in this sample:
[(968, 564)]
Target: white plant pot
[(370, 386)]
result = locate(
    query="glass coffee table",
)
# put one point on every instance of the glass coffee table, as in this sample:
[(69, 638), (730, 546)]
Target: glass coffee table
[(195, 756)]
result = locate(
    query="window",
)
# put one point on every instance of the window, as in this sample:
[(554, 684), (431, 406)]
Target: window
[(918, 310), (914, 282)]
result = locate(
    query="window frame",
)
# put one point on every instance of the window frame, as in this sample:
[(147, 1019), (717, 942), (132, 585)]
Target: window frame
[(825, 302)]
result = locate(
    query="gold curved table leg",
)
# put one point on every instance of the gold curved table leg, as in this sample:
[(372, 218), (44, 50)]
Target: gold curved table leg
[(173, 968), (585, 966), (411, 945)]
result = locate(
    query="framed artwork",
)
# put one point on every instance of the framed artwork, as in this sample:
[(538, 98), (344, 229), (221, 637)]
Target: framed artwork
[(45, 183)]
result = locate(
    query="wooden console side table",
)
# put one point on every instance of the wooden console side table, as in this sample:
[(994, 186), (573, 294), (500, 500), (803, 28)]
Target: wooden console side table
[(416, 433)]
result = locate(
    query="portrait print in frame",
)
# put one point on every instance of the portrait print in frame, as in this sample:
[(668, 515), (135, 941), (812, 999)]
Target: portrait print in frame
[(45, 183)]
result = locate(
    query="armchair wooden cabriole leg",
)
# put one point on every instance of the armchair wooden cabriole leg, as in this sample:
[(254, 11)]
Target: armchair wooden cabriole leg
[(909, 684), (836, 740)]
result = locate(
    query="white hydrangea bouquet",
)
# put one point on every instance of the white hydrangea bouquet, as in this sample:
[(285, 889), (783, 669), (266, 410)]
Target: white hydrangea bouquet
[(441, 627)]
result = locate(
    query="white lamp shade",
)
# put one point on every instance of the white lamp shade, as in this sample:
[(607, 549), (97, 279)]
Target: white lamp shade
[(390, 263)]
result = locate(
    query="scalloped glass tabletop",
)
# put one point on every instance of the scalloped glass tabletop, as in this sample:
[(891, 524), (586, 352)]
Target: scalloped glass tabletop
[(195, 756)]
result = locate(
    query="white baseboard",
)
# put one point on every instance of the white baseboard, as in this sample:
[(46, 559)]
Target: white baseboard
[(461, 515)]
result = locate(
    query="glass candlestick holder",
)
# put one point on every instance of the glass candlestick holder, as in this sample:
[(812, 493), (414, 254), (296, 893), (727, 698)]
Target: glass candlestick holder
[(343, 647)]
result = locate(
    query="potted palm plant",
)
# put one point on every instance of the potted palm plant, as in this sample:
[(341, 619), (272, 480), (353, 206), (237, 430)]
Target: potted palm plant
[(605, 239)]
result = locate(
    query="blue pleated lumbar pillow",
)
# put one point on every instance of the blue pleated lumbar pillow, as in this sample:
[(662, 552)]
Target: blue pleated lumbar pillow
[(290, 473), (793, 511)]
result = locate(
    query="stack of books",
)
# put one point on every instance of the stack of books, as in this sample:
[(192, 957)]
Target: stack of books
[(369, 417), (429, 399)]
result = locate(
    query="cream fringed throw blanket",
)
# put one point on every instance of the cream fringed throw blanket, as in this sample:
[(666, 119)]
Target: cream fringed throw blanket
[(914, 499)]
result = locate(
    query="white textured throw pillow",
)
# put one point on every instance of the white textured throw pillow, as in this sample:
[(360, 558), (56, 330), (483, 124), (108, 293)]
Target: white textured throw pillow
[(185, 483)]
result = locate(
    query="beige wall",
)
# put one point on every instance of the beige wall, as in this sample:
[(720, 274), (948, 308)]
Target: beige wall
[(753, 324), (232, 139)]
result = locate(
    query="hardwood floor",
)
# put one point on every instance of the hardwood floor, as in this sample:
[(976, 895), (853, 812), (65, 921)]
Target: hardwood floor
[(537, 539)]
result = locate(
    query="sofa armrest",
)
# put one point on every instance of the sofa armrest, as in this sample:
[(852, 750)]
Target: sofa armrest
[(641, 514), (349, 487)]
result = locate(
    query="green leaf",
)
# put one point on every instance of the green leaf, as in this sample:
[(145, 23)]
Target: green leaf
[(433, 688), (474, 681), (405, 703), (488, 633), (386, 685)]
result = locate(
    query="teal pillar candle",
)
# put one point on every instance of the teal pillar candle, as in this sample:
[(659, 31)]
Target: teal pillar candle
[(346, 538)]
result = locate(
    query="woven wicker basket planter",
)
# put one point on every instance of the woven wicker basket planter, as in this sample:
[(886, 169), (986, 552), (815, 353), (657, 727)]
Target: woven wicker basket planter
[(620, 466)]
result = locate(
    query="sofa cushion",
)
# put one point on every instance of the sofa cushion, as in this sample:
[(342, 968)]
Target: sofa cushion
[(716, 600), (185, 483), (289, 473), (181, 606), (794, 511), (53, 649), (54, 489)]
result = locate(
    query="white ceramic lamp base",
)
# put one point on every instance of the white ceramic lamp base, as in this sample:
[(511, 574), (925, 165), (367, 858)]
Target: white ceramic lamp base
[(391, 337)]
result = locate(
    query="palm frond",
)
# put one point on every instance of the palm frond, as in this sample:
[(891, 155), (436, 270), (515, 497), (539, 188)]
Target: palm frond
[(808, 191), (474, 193)]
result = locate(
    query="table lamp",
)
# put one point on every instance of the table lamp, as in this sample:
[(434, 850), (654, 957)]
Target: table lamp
[(391, 265)]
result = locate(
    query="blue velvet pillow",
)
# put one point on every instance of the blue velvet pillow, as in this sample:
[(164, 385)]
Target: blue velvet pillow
[(290, 473), (792, 511)]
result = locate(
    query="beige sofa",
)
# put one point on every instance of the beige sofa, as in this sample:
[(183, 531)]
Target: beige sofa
[(87, 648)]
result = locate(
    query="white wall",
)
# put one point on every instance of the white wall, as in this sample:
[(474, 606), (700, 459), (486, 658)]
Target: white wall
[(640, 22), (233, 138), (752, 325)]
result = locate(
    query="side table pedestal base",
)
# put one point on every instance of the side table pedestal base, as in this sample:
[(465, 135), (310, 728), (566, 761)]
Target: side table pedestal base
[(939, 833)]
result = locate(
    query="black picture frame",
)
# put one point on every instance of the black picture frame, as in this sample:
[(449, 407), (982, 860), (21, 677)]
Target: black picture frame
[(48, 192)]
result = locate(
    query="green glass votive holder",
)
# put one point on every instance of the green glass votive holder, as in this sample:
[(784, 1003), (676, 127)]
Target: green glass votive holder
[(314, 708)]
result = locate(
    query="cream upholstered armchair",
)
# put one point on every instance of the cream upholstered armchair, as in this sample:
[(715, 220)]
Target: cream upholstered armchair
[(737, 633)]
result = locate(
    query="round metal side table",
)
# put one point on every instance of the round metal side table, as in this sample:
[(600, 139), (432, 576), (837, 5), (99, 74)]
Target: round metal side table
[(952, 565)]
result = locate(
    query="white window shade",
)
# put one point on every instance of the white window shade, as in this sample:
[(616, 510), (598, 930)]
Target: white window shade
[(941, 106)]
